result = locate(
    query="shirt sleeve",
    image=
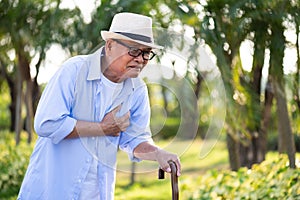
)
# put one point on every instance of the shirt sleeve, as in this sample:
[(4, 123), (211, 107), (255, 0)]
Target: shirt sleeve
[(139, 130), (53, 116)]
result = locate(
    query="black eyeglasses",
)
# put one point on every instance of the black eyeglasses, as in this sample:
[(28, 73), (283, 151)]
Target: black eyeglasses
[(135, 52)]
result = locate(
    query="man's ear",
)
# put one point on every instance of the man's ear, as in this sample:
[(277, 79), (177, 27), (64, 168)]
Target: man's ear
[(108, 46)]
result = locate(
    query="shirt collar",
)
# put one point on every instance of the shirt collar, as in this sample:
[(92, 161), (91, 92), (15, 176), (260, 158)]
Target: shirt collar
[(95, 70), (95, 65)]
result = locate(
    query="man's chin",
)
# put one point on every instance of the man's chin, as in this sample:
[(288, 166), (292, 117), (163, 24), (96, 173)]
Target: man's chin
[(133, 73), (130, 75)]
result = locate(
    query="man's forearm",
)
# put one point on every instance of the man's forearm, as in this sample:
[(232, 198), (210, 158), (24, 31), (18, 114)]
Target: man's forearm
[(86, 129), (111, 125), (146, 151)]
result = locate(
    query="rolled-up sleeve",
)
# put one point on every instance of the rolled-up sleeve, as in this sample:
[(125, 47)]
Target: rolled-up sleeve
[(139, 130), (53, 116)]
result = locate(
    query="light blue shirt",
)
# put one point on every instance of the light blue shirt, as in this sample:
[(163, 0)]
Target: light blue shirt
[(59, 166)]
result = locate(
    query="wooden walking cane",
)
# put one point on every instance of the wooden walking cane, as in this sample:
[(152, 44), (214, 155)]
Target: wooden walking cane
[(174, 179)]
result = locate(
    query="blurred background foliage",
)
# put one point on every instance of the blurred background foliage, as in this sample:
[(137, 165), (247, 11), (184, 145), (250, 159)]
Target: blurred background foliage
[(261, 101)]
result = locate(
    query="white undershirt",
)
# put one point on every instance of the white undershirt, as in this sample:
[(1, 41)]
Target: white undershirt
[(109, 92)]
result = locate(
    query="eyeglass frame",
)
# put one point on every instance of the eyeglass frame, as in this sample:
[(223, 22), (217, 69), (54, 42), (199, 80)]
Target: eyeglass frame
[(140, 51)]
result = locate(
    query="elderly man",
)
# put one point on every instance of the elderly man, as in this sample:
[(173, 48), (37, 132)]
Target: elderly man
[(92, 106)]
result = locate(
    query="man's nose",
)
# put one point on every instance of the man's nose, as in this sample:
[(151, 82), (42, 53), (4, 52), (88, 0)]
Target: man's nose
[(139, 58)]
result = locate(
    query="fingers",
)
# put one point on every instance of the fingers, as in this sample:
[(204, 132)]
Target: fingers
[(116, 109), (123, 122), (168, 169), (164, 157), (124, 118), (113, 124)]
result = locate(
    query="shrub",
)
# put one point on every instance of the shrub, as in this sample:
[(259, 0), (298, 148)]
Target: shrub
[(13, 164), (272, 179)]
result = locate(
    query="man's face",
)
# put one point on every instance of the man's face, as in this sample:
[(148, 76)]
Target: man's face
[(124, 62)]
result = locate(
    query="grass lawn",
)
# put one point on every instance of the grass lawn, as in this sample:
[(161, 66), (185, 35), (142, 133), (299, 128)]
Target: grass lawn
[(147, 185), (195, 162)]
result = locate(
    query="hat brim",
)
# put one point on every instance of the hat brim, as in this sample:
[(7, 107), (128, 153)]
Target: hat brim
[(112, 35)]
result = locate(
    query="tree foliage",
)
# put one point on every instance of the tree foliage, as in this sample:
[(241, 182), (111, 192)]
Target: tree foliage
[(225, 26), (27, 29)]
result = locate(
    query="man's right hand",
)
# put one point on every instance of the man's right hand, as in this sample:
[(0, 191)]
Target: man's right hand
[(112, 125)]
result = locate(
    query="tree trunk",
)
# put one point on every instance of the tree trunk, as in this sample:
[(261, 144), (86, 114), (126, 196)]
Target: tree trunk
[(232, 139), (269, 93), (29, 110), (286, 140), (258, 139), (233, 149), (24, 74), (254, 152), (198, 84), (132, 176), (36, 92), (245, 154), (189, 110), (18, 114)]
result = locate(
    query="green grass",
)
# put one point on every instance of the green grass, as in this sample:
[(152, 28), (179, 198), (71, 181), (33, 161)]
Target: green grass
[(195, 164), (148, 186)]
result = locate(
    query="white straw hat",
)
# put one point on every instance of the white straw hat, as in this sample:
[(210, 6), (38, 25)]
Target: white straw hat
[(133, 27)]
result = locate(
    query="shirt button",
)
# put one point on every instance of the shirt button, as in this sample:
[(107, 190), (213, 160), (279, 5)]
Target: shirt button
[(93, 138), (88, 160), (79, 180)]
